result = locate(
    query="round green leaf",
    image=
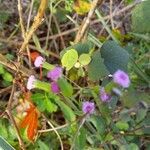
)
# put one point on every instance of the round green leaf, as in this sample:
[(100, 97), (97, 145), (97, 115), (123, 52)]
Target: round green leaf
[(69, 59), (7, 77), (84, 59)]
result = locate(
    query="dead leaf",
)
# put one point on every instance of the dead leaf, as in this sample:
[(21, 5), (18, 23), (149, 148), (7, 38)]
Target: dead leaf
[(30, 122)]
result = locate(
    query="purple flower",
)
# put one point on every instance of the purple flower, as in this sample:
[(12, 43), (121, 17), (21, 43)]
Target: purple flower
[(31, 81), (55, 74), (55, 87), (121, 78), (88, 107), (105, 97), (38, 61)]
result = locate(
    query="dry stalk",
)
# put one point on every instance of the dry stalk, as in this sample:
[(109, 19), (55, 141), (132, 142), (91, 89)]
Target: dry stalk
[(16, 44), (37, 21), (9, 113), (86, 22), (14, 66), (115, 13), (59, 31), (54, 129), (23, 28), (17, 66)]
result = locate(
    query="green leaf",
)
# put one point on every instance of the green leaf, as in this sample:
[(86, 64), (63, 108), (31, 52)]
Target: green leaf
[(140, 17), (43, 86), (10, 56), (84, 59), (147, 123), (38, 99), (65, 87), (6, 83), (106, 113), (122, 125), (97, 69), (81, 72), (99, 124), (109, 137), (36, 42), (69, 59), (50, 107), (4, 16), (12, 133), (140, 115), (61, 15), (42, 145), (2, 70), (7, 77), (81, 48), (115, 57), (132, 97), (81, 139), (124, 115), (4, 145), (3, 129), (131, 146), (48, 66), (67, 111), (43, 102), (109, 87)]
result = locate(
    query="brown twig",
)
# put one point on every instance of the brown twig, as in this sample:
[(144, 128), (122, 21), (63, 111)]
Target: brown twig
[(14, 66), (59, 31), (5, 89), (23, 29), (86, 22), (8, 111), (116, 13), (54, 129), (37, 21), (58, 35), (14, 43), (21, 19), (110, 12)]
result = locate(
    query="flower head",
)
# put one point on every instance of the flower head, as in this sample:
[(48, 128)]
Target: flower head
[(30, 83), (105, 97), (121, 78), (55, 87), (88, 107), (55, 74), (38, 61)]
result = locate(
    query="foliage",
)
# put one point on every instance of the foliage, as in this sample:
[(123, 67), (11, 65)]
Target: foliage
[(75, 96), (82, 7), (140, 18), (114, 56), (7, 77)]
